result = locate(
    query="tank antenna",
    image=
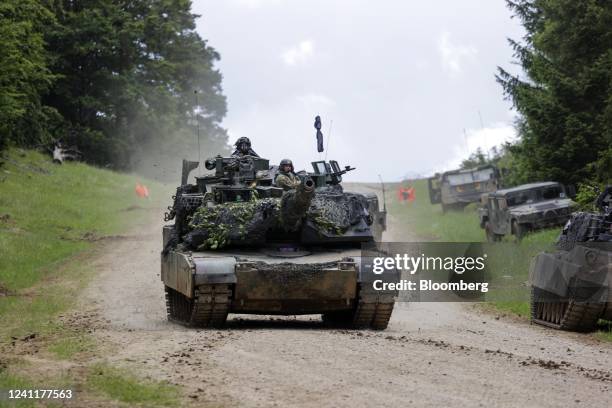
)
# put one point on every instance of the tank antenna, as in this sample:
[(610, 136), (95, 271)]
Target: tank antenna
[(382, 184), (485, 135), (331, 122), (195, 113)]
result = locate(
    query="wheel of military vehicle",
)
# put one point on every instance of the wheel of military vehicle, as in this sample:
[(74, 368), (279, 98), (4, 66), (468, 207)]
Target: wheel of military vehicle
[(518, 230), (549, 309), (208, 308), (491, 236)]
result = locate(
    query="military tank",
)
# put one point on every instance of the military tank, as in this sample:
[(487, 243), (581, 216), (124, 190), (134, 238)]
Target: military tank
[(240, 244), (571, 289)]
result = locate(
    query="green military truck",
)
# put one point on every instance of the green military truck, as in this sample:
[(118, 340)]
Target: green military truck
[(457, 188), (528, 207)]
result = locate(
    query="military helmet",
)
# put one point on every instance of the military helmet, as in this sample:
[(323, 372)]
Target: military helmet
[(242, 140), (286, 162)]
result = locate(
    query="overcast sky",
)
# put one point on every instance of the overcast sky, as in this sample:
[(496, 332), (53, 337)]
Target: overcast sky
[(400, 80)]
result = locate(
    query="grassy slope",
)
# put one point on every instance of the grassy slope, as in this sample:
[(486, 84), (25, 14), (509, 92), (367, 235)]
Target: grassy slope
[(510, 260), (51, 219)]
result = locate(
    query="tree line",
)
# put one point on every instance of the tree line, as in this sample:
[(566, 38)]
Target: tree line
[(563, 94), (120, 79)]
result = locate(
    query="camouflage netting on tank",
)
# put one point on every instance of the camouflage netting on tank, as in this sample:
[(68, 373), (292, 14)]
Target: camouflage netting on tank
[(244, 223), (247, 223), (585, 227), (294, 205), (336, 212)]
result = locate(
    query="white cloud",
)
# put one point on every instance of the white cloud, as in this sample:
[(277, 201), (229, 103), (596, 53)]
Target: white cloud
[(421, 64), (298, 54), (253, 4), (485, 139), (316, 100), (454, 55), (385, 102)]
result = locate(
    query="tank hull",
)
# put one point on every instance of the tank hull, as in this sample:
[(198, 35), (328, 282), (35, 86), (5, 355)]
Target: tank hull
[(572, 290), (327, 283)]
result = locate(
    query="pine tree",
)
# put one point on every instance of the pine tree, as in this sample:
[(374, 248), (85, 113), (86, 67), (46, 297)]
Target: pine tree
[(565, 100), (24, 74), (127, 72)]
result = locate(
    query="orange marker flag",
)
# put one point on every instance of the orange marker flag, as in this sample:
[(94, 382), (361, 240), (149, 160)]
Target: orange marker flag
[(142, 191), (411, 194)]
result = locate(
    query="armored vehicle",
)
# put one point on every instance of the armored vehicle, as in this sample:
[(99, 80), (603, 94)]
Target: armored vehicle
[(457, 188), (240, 244), (571, 289), (525, 208)]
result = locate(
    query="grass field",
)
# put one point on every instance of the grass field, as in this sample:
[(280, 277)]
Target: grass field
[(510, 261), (52, 219)]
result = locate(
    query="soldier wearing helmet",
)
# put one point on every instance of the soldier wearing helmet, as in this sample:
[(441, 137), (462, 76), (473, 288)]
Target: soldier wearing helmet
[(286, 178), (243, 148)]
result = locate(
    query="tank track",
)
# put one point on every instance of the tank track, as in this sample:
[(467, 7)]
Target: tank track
[(369, 313), (374, 315), (564, 314), (208, 308)]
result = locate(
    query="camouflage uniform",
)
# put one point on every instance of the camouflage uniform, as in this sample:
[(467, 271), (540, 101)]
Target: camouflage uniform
[(287, 181)]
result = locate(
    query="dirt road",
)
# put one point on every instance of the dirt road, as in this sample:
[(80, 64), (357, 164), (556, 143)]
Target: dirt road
[(431, 355)]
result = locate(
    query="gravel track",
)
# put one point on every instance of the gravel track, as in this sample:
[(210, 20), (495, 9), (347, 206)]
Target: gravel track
[(432, 354)]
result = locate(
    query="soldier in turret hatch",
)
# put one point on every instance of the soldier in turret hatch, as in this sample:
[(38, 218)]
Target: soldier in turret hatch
[(286, 178), (243, 148)]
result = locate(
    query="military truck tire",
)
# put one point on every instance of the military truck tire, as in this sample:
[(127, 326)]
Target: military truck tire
[(491, 236), (518, 230), (548, 309), (208, 308)]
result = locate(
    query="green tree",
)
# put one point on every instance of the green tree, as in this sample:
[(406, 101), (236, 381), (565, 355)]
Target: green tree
[(565, 99), (24, 73), (475, 159), (127, 72)]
